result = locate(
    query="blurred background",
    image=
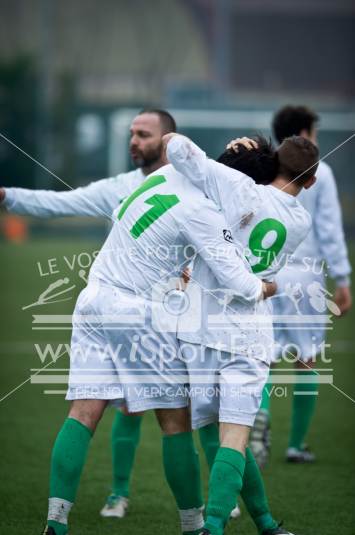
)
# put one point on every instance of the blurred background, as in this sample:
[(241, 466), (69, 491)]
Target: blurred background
[(73, 74)]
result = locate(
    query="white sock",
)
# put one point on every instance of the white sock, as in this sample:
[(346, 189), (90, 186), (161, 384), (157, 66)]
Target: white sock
[(191, 519), (58, 510)]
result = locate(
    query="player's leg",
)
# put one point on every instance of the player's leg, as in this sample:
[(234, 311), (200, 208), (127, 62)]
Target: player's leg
[(226, 475), (254, 496), (226, 478), (253, 490), (157, 357), (68, 458), (181, 466), (305, 338), (305, 393), (93, 381), (125, 435), (209, 438), (239, 403), (260, 436)]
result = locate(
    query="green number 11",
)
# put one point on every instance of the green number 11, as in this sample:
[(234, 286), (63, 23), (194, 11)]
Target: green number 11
[(159, 205)]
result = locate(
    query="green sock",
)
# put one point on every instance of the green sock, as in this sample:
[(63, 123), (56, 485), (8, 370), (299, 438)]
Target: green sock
[(125, 437), (68, 458), (182, 471), (209, 437), (303, 408), (254, 496), (226, 480)]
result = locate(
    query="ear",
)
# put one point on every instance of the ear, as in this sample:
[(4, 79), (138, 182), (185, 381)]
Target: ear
[(310, 182), (305, 133)]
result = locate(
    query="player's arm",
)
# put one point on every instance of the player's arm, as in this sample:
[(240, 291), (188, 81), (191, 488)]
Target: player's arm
[(329, 231), (98, 199), (204, 230), (220, 183)]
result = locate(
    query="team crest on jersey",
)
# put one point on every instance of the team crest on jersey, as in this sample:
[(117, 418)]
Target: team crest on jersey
[(227, 235)]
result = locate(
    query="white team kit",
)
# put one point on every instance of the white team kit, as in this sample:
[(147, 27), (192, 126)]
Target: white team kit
[(121, 282), (245, 206), (301, 284), (122, 308), (237, 339)]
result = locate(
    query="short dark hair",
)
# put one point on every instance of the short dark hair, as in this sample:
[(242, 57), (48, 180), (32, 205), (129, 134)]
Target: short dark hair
[(260, 164), (291, 120), (298, 159), (167, 121)]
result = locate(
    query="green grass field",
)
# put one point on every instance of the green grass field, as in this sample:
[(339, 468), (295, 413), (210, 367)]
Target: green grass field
[(312, 500)]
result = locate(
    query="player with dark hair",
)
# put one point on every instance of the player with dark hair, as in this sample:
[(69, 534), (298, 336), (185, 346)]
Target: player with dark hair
[(167, 121), (270, 223), (261, 164), (325, 244), (295, 121)]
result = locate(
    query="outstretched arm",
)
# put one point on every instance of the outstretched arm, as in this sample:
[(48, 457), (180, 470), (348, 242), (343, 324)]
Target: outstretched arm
[(98, 199)]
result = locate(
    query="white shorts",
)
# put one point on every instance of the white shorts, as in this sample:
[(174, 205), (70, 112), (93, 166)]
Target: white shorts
[(299, 297), (223, 387), (116, 354)]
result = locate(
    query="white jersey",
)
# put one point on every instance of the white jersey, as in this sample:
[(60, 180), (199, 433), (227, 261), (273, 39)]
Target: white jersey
[(268, 222), (324, 249), (153, 231), (98, 199), (326, 240)]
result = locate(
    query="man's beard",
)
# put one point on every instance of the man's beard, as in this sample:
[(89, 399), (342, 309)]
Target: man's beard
[(149, 158)]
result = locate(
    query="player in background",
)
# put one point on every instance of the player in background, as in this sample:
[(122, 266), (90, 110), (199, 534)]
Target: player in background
[(324, 246), (271, 223)]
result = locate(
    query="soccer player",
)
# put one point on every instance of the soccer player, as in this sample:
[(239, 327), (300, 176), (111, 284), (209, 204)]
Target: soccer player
[(165, 212), (99, 199), (271, 223), (324, 246)]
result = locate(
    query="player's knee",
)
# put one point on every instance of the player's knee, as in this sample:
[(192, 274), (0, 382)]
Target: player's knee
[(87, 412), (174, 421), (234, 436)]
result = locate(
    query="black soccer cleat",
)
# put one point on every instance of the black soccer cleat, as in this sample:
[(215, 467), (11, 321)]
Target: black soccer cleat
[(279, 530), (205, 532), (48, 530)]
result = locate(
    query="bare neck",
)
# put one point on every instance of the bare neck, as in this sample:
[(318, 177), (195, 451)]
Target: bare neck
[(146, 170), (284, 184)]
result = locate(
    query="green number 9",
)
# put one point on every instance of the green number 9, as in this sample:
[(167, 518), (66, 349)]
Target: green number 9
[(266, 254)]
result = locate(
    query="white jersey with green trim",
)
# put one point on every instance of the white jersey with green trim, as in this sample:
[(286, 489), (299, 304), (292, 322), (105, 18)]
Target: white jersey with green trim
[(154, 230), (269, 223)]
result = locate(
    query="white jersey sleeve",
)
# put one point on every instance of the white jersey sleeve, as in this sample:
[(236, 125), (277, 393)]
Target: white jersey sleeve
[(206, 230), (220, 183), (328, 229), (98, 199)]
